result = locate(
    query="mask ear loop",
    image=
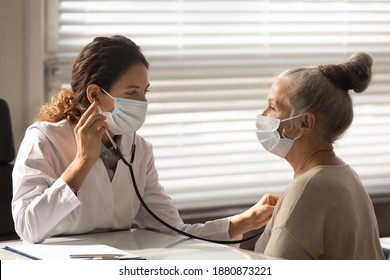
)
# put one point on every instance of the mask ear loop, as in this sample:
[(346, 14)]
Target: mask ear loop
[(284, 134), (102, 89), (288, 137)]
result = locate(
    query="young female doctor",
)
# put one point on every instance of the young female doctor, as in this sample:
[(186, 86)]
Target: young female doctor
[(68, 177)]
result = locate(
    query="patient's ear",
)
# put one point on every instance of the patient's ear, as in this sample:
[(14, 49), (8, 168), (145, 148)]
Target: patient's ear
[(93, 92), (308, 122)]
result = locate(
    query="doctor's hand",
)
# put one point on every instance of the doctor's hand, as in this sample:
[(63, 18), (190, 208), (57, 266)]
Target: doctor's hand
[(253, 218), (88, 133)]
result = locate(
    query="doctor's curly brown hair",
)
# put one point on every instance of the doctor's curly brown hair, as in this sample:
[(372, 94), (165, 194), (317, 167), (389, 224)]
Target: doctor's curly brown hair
[(101, 62)]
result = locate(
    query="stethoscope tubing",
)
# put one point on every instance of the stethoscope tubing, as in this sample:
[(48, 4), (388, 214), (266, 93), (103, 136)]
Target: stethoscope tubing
[(143, 203)]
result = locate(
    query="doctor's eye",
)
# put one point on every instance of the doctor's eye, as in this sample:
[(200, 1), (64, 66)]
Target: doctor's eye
[(130, 93)]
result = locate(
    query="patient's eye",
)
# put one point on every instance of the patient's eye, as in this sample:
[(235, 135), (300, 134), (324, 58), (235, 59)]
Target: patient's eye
[(271, 108)]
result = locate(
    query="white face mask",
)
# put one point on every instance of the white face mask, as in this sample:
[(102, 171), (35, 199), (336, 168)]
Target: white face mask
[(127, 117), (269, 136)]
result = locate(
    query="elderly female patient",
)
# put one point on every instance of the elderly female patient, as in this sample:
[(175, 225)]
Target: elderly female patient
[(325, 212)]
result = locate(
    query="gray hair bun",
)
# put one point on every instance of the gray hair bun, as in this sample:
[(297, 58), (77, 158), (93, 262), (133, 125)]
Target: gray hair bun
[(354, 74)]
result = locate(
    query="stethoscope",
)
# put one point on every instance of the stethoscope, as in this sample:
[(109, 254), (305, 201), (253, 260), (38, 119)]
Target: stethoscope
[(129, 164)]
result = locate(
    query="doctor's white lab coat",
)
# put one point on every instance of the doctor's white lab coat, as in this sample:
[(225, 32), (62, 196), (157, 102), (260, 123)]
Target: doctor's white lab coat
[(44, 205)]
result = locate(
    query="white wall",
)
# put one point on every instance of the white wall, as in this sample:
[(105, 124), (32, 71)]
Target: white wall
[(11, 62), (21, 60)]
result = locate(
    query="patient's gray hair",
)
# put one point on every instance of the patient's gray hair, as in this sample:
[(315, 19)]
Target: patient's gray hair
[(324, 91)]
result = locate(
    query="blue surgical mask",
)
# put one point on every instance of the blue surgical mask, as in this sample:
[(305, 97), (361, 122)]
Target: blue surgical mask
[(269, 137), (127, 117)]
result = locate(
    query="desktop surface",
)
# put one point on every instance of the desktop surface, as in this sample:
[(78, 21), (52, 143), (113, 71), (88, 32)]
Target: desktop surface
[(149, 244)]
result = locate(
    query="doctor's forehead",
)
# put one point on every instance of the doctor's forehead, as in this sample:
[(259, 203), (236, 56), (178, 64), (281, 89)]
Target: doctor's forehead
[(136, 76)]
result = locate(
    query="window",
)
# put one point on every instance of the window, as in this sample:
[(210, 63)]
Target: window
[(212, 63)]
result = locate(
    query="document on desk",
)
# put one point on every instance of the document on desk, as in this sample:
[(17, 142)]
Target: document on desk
[(73, 249)]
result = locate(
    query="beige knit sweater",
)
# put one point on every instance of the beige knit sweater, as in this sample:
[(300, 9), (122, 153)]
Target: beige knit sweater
[(323, 214)]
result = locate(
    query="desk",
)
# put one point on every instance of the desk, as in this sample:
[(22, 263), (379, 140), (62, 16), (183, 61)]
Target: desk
[(152, 245)]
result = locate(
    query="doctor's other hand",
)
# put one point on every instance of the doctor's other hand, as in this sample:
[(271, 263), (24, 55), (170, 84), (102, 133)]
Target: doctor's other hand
[(253, 218)]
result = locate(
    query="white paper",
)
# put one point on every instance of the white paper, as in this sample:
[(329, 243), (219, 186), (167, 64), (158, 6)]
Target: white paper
[(65, 249)]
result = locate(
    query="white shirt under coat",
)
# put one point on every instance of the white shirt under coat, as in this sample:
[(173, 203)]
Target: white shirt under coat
[(44, 205)]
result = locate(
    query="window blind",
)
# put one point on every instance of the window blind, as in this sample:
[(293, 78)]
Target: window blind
[(212, 64)]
